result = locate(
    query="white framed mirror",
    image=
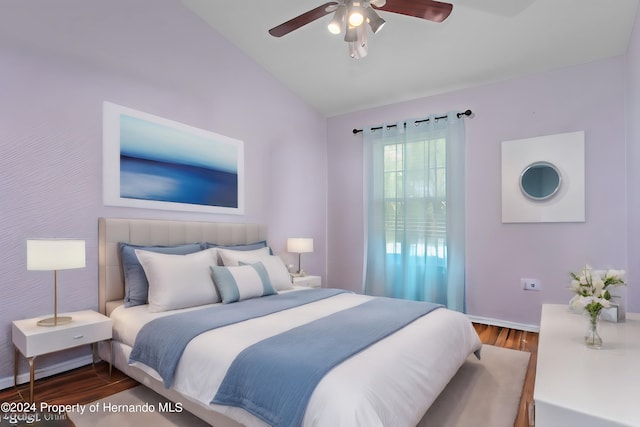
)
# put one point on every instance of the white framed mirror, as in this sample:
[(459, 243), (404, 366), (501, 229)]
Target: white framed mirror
[(540, 181), (543, 179)]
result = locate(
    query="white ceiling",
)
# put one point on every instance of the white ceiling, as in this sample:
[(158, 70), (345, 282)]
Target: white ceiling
[(482, 41)]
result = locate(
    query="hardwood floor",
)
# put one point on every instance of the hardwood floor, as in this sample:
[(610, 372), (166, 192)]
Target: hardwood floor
[(89, 383), (82, 385)]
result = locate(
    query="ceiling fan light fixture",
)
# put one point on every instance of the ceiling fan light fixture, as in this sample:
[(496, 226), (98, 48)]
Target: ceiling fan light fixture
[(336, 24), (359, 48), (375, 21), (351, 35), (356, 19), (356, 14), (334, 27)]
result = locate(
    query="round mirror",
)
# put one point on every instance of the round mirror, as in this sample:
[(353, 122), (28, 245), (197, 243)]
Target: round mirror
[(540, 181)]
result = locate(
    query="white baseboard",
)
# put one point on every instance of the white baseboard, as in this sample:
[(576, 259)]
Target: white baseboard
[(47, 371), (504, 323)]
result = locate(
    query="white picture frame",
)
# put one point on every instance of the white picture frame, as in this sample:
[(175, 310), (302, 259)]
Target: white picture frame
[(566, 153), (155, 163)]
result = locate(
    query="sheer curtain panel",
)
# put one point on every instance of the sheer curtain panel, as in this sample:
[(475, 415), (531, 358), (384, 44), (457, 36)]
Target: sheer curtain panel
[(414, 216)]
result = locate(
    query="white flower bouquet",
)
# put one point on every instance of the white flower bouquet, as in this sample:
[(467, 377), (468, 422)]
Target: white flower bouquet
[(592, 289)]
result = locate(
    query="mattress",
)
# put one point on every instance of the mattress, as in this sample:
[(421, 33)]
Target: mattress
[(391, 383)]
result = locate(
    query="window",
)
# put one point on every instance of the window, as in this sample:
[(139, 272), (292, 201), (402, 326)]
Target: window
[(415, 211), (415, 198)]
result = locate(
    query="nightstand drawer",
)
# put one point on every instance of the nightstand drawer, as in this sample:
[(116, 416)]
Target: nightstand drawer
[(68, 338), (85, 328)]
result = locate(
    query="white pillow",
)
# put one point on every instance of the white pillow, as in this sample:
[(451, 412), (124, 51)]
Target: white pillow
[(231, 258), (278, 273), (179, 281), (242, 282)]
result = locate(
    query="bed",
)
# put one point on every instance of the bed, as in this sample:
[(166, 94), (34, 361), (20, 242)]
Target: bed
[(389, 382)]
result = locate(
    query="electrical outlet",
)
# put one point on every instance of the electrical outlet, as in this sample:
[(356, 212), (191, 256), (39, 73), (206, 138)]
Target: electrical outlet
[(530, 284)]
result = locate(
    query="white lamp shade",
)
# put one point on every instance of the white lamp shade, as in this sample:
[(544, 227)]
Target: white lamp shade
[(55, 254), (299, 245)]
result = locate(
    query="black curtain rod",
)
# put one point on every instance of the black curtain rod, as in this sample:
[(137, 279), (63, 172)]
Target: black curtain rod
[(465, 113)]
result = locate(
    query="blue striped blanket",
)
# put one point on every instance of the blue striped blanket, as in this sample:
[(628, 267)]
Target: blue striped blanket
[(160, 343), (274, 378)]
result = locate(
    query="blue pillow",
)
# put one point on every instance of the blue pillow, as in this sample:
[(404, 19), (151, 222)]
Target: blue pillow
[(136, 287), (242, 282)]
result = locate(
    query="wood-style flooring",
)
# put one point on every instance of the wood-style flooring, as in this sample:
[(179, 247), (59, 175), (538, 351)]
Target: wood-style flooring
[(92, 382)]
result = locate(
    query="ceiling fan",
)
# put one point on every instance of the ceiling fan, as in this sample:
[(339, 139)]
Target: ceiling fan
[(350, 15)]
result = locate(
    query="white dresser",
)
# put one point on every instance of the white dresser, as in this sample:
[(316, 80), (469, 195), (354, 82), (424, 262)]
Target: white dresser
[(578, 386)]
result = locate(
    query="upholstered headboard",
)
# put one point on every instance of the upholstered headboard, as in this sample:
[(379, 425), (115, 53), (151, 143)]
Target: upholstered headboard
[(111, 231)]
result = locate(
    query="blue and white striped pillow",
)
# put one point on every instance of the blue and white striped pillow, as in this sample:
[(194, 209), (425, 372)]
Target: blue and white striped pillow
[(242, 282)]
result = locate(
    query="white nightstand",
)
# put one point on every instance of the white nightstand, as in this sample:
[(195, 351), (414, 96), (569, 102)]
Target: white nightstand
[(86, 327), (308, 281)]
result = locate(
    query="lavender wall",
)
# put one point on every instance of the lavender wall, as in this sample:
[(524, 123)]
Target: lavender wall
[(59, 64), (632, 92), (589, 98)]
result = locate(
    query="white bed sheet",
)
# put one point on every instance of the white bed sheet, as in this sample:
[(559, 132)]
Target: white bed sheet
[(392, 383)]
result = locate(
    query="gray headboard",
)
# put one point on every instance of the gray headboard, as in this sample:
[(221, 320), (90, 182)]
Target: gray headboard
[(111, 231)]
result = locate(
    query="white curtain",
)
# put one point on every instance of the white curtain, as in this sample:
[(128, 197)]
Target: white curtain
[(414, 178)]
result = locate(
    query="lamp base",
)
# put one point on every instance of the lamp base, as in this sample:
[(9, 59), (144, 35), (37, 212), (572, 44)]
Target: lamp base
[(55, 321)]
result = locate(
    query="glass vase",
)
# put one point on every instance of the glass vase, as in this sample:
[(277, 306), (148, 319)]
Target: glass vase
[(592, 337)]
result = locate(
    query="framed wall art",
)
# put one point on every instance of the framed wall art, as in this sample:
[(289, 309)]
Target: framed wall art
[(155, 163), (543, 179)]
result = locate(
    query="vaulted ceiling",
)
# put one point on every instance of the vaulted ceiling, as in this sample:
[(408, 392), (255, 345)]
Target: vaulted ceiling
[(482, 41)]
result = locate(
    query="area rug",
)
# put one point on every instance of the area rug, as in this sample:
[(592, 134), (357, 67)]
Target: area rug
[(484, 392)]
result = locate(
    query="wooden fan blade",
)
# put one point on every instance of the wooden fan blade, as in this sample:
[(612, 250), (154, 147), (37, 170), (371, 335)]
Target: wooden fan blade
[(426, 9), (301, 20)]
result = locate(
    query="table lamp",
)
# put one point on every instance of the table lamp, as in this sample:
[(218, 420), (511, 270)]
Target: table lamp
[(299, 245), (55, 254)]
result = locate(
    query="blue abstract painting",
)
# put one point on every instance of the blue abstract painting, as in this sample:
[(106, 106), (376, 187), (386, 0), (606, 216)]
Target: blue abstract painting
[(167, 163)]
